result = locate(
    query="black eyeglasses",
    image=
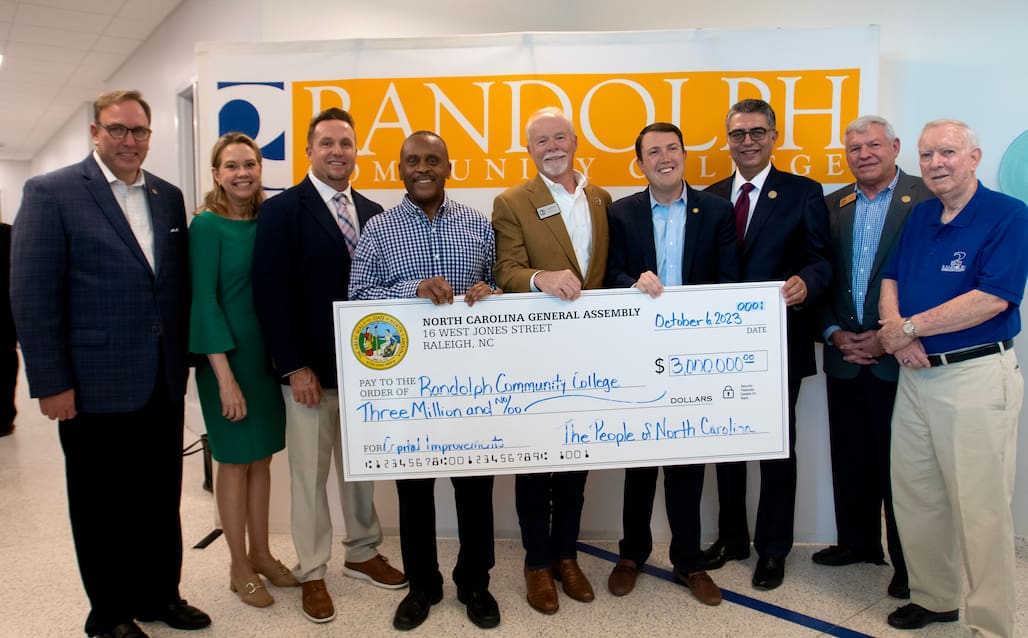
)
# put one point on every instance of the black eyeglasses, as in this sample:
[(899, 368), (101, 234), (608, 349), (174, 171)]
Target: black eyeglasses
[(756, 134), (119, 131)]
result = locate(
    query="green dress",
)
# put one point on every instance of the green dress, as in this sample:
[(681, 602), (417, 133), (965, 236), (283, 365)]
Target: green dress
[(222, 319)]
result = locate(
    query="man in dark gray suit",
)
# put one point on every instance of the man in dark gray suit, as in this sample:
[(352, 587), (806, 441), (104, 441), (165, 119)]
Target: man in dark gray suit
[(100, 296), (865, 219)]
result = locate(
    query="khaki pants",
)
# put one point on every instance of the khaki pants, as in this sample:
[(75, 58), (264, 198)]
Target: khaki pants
[(312, 439), (954, 445)]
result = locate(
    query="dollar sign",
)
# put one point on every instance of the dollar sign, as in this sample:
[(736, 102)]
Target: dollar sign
[(659, 364)]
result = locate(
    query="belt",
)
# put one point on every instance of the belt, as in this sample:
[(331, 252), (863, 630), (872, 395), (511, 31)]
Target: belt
[(971, 353)]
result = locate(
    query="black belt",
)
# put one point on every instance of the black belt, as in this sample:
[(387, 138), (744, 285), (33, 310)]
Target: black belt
[(970, 353)]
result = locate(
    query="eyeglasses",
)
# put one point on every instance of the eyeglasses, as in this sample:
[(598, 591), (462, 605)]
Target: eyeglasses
[(119, 131), (756, 134)]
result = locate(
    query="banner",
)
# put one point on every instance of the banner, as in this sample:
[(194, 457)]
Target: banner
[(477, 91)]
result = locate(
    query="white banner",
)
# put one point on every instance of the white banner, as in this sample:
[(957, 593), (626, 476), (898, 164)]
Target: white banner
[(477, 91)]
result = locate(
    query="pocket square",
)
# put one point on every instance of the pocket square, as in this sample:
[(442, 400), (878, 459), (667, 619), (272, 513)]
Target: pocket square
[(174, 230)]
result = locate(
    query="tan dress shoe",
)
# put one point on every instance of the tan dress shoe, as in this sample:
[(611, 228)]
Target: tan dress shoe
[(622, 578), (542, 592), (317, 604), (276, 573), (377, 571), (702, 587), (252, 591), (574, 581)]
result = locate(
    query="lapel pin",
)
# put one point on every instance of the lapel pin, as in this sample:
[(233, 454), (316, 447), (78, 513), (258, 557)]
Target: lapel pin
[(695, 211), (597, 202), (772, 194), (905, 199), (153, 190)]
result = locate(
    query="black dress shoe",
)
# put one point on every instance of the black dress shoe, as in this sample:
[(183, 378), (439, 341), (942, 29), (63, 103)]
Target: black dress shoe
[(178, 615), (770, 572), (837, 556), (413, 609), (915, 616), (715, 556), (898, 587), (124, 630), (482, 607)]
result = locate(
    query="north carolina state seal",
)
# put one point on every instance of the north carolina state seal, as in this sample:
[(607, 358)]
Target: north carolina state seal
[(379, 341)]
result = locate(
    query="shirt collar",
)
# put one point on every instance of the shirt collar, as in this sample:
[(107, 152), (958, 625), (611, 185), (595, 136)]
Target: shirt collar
[(757, 181), (887, 189), (112, 178), (328, 192), (555, 188), (408, 205), (681, 198)]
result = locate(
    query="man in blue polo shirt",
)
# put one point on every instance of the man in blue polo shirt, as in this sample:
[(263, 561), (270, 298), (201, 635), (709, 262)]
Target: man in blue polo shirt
[(949, 307)]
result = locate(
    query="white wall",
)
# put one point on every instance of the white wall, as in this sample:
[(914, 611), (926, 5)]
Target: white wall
[(939, 58), (13, 174)]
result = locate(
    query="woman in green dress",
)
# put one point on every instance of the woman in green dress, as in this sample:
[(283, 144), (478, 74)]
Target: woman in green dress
[(241, 401)]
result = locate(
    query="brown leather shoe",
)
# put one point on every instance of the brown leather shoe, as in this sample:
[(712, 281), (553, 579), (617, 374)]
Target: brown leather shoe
[(378, 571), (574, 581), (622, 579), (542, 592), (317, 604), (702, 587)]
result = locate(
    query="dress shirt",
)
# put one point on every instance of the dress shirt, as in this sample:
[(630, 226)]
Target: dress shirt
[(758, 185), (868, 221), (327, 193), (867, 231), (669, 238), (574, 210), (135, 207), (401, 247)]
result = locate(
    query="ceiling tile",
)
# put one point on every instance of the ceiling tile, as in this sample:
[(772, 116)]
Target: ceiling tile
[(42, 52), (53, 37), (6, 11), (121, 46), (106, 7), (68, 20), (149, 10), (131, 27)]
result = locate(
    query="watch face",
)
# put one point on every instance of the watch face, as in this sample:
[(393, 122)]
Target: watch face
[(908, 328)]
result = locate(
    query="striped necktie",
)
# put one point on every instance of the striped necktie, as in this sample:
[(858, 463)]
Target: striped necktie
[(344, 220)]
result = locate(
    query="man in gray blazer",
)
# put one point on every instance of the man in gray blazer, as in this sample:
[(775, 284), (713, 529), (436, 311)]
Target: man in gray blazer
[(100, 296), (866, 219)]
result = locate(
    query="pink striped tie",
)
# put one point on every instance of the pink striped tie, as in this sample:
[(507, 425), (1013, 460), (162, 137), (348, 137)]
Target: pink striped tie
[(344, 220)]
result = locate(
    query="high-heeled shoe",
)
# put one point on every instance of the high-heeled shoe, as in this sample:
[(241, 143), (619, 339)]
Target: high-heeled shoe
[(276, 573), (252, 592)]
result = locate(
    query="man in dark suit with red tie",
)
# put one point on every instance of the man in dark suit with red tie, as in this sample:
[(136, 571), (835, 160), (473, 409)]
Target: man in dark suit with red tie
[(100, 295), (782, 221), (667, 235)]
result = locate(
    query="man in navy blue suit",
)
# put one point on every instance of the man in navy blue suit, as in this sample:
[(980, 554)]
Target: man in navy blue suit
[(782, 223), (100, 296), (667, 235), (301, 264)]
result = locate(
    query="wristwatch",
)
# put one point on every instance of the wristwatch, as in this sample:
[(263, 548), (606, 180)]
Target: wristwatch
[(908, 328)]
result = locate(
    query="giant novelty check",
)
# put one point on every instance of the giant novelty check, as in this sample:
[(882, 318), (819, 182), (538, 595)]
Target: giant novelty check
[(529, 383)]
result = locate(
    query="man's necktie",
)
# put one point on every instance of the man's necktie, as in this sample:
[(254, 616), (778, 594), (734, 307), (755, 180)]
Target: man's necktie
[(344, 220), (742, 210)]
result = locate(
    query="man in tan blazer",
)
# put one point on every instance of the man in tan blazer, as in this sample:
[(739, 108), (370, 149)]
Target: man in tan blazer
[(551, 236)]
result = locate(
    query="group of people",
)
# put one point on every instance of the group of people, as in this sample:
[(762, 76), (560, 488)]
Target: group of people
[(914, 285)]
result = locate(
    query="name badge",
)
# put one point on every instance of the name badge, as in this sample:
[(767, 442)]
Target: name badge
[(849, 199), (548, 211)]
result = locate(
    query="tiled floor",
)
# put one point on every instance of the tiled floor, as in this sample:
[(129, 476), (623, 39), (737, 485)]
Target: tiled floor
[(42, 594)]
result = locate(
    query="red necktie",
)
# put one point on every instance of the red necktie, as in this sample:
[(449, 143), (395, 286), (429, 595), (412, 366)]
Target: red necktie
[(742, 210)]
